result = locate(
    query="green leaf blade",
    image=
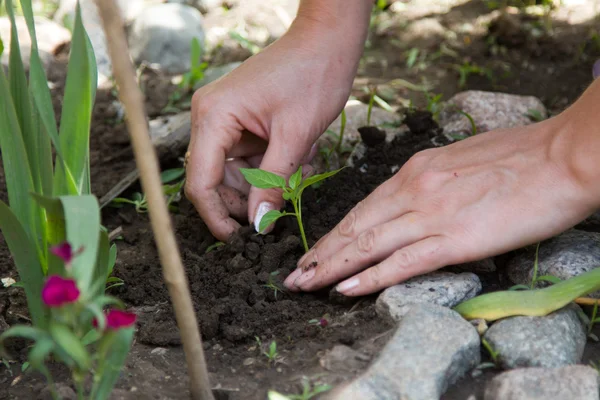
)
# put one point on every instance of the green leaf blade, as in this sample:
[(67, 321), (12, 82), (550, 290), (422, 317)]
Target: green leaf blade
[(270, 218), (296, 178), (317, 178), (262, 179), (70, 345)]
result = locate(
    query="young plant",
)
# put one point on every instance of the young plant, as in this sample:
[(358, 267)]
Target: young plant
[(535, 279), (292, 192), (213, 246), (308, 392), (593, 320), (172, 192), (467, 69), (47, 175), (272, 353), (272, 285), (320, 322)]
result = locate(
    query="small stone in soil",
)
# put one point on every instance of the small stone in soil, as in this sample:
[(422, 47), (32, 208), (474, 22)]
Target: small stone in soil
[(571, 382), (343, 359), (431, 349), (555, 340)]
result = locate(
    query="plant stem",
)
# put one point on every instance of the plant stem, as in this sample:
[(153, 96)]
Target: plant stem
[(298, 213), (535, 267), (371, 101), (147, 163)]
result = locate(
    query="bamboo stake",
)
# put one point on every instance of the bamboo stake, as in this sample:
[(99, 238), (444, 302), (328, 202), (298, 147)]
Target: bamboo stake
[(147, 163)]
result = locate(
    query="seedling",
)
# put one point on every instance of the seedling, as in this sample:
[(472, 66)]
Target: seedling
[(292, 192), (244, 42), (434, 103), (320, 322), (172, 192), (592, 322), (373, 98), (491, 351), (189, 80), (471, 122), (535, 115), (535, 279), (213, 247), (272, 285), (272, 353), (308, 392), (467, 69), (370, 109)]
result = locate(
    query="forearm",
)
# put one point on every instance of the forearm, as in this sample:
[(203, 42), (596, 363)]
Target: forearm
[(580, 128), (338, 27)]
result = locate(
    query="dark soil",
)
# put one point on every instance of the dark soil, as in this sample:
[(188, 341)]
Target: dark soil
[(233, 304)]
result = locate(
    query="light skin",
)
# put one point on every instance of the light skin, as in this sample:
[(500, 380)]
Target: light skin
[(473, 199)]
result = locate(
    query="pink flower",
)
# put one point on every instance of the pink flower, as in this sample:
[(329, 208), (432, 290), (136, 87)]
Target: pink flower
[(58, 291), (117, 319), (323, 322), (65, 252)]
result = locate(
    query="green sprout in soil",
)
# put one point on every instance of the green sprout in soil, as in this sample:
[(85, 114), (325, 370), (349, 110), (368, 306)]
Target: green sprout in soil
[(292, 192), (272, 285), (593, 320), (308, 392), (213, 247), (535, 115), (172, 192), (434, 104), (467, 69), (320, 322), (271, 354), (535, 279)]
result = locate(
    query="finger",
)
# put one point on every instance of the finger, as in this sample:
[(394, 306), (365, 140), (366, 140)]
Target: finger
[(281, 158), (249, 145), (419, 258), (235, 201), (371, 246), (234, 178), (372, 211), (205, 171)]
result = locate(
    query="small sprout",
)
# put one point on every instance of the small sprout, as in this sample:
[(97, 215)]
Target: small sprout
[(272, 285), (308, 391), (535, 115), (320, 322), (292, 192), (593, 320), (213, 247), (494, 355), (467, 69), (272, 353)]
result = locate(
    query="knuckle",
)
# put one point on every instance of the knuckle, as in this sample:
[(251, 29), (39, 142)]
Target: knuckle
[(404, 258), (374, 275), (427, 181), (347, 226), (365, 243)]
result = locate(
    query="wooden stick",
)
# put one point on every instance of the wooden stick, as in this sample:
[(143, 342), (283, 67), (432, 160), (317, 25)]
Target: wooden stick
[(147, 163), (586, 301)]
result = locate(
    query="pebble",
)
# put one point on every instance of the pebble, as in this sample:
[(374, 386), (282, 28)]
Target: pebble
[(343, 359), (441, 288), (571, 382), (489, 110), (564, 256), (161, 35), (430, 350), (555, 340)]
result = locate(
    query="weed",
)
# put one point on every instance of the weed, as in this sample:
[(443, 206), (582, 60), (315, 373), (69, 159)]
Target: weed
[(272, 353), (272, 285), (434, 104), (535, 115), (467, 69), (593, 320), (244, 42), (535, 279), (372, 92), (320, 322), (308, 392), (213, 247), (491, 351), (292, 192), (172, 192)]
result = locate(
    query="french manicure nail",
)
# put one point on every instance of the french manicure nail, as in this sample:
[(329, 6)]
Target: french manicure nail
[(347, 285), (305, 277), (289, 281), (262, 209)]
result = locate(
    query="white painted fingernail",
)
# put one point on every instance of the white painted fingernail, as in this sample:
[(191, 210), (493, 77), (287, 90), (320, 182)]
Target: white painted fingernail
[(262, 209), (347, 285)]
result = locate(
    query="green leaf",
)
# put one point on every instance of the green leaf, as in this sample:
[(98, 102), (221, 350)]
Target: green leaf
[(519, 287), (76, 113), (22, 331), (269, 218), (113, 350), (170, 175), (214, 246), (40, 351), (296, 178), (27, 263), (1, 47), (101, 266), (70, 344), (273, 395), (112, 258), (311, 180), (91, 337), (195, 54), (262, 179)]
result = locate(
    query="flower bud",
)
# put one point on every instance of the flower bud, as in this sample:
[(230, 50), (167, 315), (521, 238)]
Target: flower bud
[(58, 291)]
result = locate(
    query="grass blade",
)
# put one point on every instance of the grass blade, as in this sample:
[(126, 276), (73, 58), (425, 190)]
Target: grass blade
[(113, 349), (27, 263), (76, 113)]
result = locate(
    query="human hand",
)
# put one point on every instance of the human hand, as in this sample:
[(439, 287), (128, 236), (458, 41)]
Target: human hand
[(267, 113), (473, 199)]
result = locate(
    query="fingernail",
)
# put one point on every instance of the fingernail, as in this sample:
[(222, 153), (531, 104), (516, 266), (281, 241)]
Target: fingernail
[(262, 209), (289, 281), (347, 285), (305, 277)]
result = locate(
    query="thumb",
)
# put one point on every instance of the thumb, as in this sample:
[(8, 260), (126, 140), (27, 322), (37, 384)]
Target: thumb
[(281, 158)]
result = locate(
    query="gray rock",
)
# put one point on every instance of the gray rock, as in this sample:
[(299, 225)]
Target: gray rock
[(431, 349), (51, 38), (170, 135), (213, 73), (343, 359), (567, 255), (552, 341), (489, 110), (161, 35), (441, 288), (484, 266), (571, 382)]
